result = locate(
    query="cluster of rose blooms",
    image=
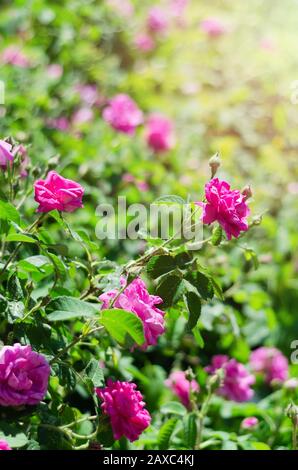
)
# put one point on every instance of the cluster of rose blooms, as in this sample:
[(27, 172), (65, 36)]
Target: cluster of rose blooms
[(24, 373)]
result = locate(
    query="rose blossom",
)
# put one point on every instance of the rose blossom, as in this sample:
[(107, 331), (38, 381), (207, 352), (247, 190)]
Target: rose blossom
[(4, 445), (60, 123), (126, 409), (56, 192), (55, 71), (136, 299), (159, 133), (249, 423), (144, 42), (5, 154), (181, 386), (214, 27), (82, 116), (226, 206), (157, 21), (271, 362), (12, 55), (123, 114), (24, 376), (237, 380)]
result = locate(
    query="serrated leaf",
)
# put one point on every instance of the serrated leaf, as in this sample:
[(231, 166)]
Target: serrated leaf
[(95, 373), (66, 308), (173, 407), (202, 283), (190, 430), (165, 433), (122, 324), (159, 265), (194, 306), (20, 237), (167, 289), (9, 212)]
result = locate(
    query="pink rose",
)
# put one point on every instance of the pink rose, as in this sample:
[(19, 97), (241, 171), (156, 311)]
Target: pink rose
[(56, 192), (123, 114), (135, 298), (24, 376), (214, 27), (55, 71), (12, 55), (144, 42), (89, 94), (126, 409), (82, 116), (5, 154), (271, 362), (225, 206), (159, 133), (237, 380), (157, 20), (60, 123), (181, 386), (249, 423), (4, 445)]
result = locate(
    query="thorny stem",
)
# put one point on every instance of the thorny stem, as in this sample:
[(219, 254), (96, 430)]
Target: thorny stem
[(74, 342)]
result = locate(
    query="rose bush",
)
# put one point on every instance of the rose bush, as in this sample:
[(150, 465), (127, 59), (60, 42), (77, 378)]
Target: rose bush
[(154, 341)]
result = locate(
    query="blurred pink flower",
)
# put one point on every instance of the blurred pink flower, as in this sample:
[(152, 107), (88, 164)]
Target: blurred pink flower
[(56, 192), (14, 56), (157, 21), (293, 188), (177, 7), (291, 384), (214, 27), (249, 423), (237, 380), (89, 94), (126, 409), (55, 71), (122, 7), (159, 133), (225, 206), (181, 386), (144, 42), (82, 116), (60, 123), (123, 114), (5, 154), (268, 44), (4, 445), (24, 376), (271, 362), (142, 185), (136, 299)]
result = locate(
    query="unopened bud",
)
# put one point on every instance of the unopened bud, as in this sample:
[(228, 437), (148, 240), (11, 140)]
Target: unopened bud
[(246, 192), (214, 164)]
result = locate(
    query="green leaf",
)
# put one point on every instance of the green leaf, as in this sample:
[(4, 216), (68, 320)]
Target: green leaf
[(216, 236), (95, 373), (123, 325), (194, 306), (190, 430), (13, 434), (197, 335), (9, 212), (66, 308), (165, 433), (159, 265), (167, 289), (260, 446), (203, 284), (20, 237), (173, 407)]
